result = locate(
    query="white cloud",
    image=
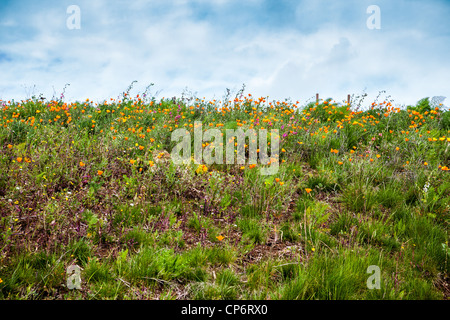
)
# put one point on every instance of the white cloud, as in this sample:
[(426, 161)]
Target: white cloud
[(167, 46)]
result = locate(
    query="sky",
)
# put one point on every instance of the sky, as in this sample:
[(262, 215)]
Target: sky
[(279, 49)]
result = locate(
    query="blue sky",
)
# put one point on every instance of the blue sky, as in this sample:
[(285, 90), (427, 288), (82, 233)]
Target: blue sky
[(281, 49)]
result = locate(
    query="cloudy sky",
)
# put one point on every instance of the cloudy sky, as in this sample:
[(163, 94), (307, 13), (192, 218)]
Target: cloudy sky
[(281, 49)]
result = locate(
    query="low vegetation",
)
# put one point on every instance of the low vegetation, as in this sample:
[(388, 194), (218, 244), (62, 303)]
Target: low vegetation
[(93, 185)]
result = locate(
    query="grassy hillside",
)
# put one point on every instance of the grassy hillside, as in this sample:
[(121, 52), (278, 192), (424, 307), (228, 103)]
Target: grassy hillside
[(93, 185)]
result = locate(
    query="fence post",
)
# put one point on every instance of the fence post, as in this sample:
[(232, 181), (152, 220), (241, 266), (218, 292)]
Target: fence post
[(317, 98), (348, 99)]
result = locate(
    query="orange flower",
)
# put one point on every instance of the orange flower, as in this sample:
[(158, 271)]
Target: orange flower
[(340, 162), (141, 147), (277, 179), (252, 166), (220, 238), (132, 161), (99, 172), (445, 168), (308, 190), (19, 159), (425, 163), (378, 156), (82, 164), (9, 146)]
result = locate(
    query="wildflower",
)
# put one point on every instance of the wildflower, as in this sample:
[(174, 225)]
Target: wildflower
[(1, 280), (252, 166), (99, 172), (281, 183), (132, 161), (308, 190), (425, 163), (242, 168), (313, 249), (82, 164), (445, 168), (378, 156), (220, 238), (202, 169), (277, 179), (371, 160), (340, 163), (9, 146), (19, 159)]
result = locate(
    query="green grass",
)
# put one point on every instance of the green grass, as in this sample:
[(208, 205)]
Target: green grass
[(93, 185)]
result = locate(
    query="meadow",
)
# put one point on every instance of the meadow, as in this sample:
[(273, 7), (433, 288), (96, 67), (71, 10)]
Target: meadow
[(93, 185)]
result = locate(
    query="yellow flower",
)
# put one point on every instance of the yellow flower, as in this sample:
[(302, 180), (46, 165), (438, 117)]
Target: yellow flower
[(19, 159), (202, 169), (220, 238), (132, 161), (82, 164), (308, 190), (9, 147)]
